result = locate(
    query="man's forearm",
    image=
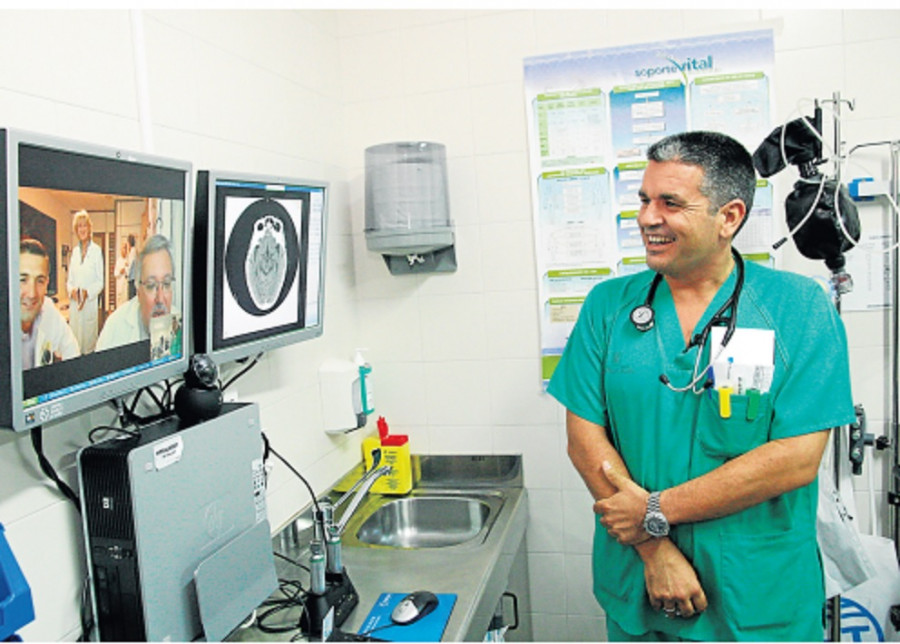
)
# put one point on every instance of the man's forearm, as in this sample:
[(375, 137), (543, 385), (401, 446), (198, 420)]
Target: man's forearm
[(750, 479), (588, 448)]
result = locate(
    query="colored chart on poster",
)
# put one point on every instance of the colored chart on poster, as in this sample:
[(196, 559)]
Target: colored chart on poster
[(571, 126), (643, 114)]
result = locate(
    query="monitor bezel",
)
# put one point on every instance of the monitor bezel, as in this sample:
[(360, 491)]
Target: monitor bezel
[(56, 409), (206, 218)]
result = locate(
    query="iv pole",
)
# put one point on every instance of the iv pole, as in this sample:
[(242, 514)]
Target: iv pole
[(841, 285), (893, 441), (894, 428)]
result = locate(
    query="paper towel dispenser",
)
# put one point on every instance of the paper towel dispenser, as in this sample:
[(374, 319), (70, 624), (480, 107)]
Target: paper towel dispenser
[(408, 208)]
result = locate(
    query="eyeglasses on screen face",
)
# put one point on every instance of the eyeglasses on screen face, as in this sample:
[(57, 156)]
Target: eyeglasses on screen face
[(155, 285)]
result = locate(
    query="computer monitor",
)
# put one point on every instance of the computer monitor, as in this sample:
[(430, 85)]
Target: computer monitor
[(77, 329), (262, 239)]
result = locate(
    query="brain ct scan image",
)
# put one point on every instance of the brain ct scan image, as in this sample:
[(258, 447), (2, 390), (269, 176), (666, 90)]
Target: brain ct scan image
[(266, 263), (261, 257)]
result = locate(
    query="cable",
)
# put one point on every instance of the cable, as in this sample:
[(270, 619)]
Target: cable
[(169, 400), (293, 599), (37, 441), (128, 416), (291, 561), (158, 402), (271, 450), (806, 217), (377, 628), (87, 617), (110, 428), (133, 418), (242, 372), (799, 112)]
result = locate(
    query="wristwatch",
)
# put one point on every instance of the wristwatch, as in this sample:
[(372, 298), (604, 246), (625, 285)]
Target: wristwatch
[(655, 522)]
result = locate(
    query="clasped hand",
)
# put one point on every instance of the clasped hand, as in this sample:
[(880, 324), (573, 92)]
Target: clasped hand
[(672, 583), (622, 514)]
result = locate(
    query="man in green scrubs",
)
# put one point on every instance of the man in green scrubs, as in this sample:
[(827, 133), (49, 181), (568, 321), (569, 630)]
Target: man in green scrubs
[(725, 546)]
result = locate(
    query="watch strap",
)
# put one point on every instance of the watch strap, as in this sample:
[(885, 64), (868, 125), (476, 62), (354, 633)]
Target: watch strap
[(655, 522)]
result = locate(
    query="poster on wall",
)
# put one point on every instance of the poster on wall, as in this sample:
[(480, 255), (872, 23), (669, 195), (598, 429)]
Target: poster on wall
[(591, 117)]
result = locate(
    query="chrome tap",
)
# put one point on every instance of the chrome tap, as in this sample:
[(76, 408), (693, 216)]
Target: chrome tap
[(326, 532), (376, 460), (364, 485)]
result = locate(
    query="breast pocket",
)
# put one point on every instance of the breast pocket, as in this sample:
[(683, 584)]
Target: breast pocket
[(746, 427)]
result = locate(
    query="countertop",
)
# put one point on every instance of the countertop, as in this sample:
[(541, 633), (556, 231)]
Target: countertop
[(475, 571)]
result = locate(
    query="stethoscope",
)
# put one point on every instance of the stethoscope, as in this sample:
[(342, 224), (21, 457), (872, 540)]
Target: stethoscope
[(643, 319)]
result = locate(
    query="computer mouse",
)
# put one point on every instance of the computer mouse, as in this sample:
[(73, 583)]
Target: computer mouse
[(414, 607)]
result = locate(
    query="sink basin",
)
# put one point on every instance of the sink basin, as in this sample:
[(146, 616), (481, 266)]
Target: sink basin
[(433, 521)]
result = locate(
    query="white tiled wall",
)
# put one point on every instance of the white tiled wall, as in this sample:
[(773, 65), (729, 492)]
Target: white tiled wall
[(489, 396), (303, 93)]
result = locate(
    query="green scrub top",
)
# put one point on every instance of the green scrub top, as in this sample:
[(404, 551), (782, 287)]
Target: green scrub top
[(760, 568)]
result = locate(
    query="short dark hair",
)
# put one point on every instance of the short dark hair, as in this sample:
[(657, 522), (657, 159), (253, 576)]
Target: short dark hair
[(727, 166), (33, 247)]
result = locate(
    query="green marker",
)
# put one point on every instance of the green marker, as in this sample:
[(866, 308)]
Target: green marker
[(752, 403)]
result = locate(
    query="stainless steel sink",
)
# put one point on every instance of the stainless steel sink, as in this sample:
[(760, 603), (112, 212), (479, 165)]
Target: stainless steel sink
[(430, 521)]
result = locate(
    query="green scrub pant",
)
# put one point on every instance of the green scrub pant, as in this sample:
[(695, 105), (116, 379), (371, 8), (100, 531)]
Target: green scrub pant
[(616, 634)]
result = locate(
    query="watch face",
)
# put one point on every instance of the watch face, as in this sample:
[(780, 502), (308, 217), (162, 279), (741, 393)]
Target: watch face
[(656, 525)]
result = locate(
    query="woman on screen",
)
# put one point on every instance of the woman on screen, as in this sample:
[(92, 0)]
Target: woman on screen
[(85, 283)]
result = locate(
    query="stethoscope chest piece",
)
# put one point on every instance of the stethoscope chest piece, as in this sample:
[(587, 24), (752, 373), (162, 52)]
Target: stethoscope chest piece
[(642, 317)]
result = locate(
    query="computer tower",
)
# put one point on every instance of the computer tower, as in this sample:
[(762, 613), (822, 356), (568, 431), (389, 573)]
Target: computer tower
[(176, 532)]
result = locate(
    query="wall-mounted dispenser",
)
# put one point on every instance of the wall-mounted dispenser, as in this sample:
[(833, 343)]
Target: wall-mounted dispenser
[(408, 208), (345, 387)]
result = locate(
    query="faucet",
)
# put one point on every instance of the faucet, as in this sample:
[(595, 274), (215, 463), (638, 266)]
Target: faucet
[(327, 531), (364, 485)]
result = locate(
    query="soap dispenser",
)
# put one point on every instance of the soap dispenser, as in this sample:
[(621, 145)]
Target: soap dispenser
[(347, 396)]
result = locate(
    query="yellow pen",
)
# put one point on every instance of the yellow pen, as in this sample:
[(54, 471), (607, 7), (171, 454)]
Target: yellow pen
[(725, 402)]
